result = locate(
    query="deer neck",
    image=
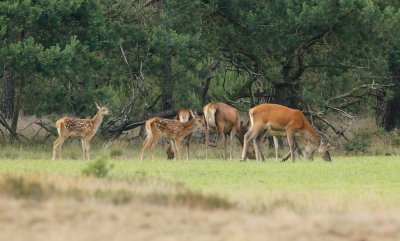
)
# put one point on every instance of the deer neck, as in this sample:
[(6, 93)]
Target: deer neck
[(240, 135), (97, 119), (312, 135), (189, 126)]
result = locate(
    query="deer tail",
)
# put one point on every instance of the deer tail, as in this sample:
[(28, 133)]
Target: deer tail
[(210, 116), (251, 118), (149, 133)]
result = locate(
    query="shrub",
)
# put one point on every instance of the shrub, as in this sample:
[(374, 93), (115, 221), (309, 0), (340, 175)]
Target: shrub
[(392, 137), (360, 142), (98, 168)]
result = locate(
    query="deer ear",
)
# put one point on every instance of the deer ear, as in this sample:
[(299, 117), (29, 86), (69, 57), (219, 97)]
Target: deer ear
[(97, 106), (192, 114)]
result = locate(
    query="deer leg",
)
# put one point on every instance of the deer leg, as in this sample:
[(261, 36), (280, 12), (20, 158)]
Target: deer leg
[(257, 146), (170, 151), (256, 150), (286, 157), (152, 146), (87, 148), (187, 146), (276, 146), (220, 136), (178, 146), (57, 148), (290, 137), (225, 147), (145, 146), (257, 143), (232, 135), (248, 137), (173, 145), (154, 140), (207, 139), (245, 145), (83, 149)]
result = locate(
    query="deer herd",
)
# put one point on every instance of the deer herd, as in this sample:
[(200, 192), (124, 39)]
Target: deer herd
[(264, 120)]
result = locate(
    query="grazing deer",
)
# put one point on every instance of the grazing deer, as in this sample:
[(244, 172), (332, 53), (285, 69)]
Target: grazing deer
[(183, 116), (84, 128), (278, 120), (225, 120), (173, 129)]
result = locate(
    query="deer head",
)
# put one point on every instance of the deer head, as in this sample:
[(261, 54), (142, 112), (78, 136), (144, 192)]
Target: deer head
[(308, 151), (102, 110), (323, 150), (199, 122)]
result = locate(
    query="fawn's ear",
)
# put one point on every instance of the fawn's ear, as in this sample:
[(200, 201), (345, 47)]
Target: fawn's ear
[(192, 114), (97, 106)]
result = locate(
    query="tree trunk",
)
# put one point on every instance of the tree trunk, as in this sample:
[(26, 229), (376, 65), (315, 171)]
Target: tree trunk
[(15, 118), (388, 112), (8, 93), (203, 96), (167, 85), (286, 92)]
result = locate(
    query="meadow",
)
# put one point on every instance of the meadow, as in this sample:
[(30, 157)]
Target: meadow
[(347, 180), (305, 190)]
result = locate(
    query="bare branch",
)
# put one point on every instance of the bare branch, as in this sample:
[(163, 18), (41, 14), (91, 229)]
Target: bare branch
[(337, 131), (366, 90)]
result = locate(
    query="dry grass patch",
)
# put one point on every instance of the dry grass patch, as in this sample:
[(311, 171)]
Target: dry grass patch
[(137, 189)]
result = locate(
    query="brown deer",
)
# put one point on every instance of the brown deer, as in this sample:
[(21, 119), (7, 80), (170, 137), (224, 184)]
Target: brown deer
[(172, 129), (278, 120), (183, 116), (226, 121), (83, 128)]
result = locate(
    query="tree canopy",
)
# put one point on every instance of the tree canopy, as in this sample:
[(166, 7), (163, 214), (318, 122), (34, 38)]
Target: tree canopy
[(148, 56)]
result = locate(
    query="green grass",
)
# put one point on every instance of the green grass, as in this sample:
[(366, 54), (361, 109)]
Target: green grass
[(347, 182)]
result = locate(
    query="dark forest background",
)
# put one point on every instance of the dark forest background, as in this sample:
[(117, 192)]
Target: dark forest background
[(334, 59)]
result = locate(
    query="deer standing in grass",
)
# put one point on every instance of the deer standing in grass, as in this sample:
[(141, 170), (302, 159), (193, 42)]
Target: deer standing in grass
[(172, 129), (278, 120), (83, 128), (226, 121), (183, 116)]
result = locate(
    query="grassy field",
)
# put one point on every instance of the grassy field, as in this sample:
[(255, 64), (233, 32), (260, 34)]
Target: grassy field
[(352, 198), (346, 183)]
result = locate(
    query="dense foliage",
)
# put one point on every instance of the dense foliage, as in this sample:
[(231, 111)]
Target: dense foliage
[(154, 55)]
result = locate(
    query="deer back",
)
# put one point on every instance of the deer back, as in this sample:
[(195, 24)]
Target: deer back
[(77, 127), (170, 128), (218, 114)]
